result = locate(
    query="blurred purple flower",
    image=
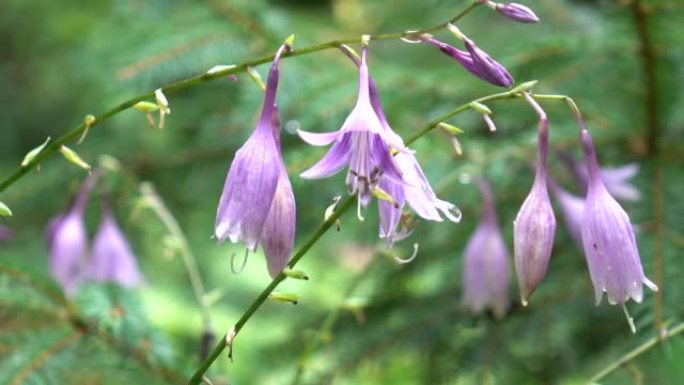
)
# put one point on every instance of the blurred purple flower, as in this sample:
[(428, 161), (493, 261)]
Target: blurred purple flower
[(5, 234), (257, 204), (608, 238), (485, 262), (362, 143), (572, 207), (112, 259), (517, 12), (616, 179), (534, 227), (474, 60), (67, 241)]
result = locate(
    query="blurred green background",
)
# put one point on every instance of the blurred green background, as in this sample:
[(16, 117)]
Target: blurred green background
[(362, 319)]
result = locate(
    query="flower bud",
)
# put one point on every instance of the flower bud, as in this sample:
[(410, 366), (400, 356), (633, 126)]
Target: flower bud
[(517, 12), (4, 210), (74, 158), (33, 153)]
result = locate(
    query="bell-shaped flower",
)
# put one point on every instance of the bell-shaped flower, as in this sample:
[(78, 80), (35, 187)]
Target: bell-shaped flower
[(534, 227), (257, 204), (5, 234), (112, 259), (516, 12), (608, 238), (485, 262), (572, 207), (361, 143), (474, 60), (67, 241)]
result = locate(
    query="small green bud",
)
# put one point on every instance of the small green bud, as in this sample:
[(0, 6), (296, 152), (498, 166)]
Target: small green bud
[(4, 210), (74, 158), (146, 106), (290, 41), (365, 40), (284, 297), (451, 129), (88, 122), (455, 31), (295, 274), (33, 153), (524, 87), (256, 78), (219, 68), (481, 108)]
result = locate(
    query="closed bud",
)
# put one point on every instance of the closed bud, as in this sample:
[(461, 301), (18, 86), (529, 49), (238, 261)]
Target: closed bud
[(28, 158), (74, 158), (4, 210), (481, 108), (284, 297), (451, 129), (295, 274), (517, 12), (146, 106), (256, 78)]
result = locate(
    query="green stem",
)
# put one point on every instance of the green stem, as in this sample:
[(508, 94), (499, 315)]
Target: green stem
[(76, 132), (636, 352), (341, 209), (172, 226)]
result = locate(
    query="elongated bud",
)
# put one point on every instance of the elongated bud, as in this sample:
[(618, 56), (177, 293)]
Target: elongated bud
[(74, 158), (220, 68), (28, 158), (295, 274), (256, 78), (481, 108), (524, 87), (517, 12), (4, 210), (284, 297), (146, 106), (451, 129), (534, 227)]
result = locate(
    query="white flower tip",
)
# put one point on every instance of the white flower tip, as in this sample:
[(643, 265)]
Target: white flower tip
[(650, 284)]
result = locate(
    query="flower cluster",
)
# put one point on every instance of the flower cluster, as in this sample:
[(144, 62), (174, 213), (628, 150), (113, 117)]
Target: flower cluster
[(72, 262)]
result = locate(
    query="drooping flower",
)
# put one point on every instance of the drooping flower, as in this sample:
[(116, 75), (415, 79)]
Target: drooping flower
[(534, 227), (572, 207), (608, 238), (415, 190), (257, 205), (67, 241), (474, 60), (112, 259), (5, 234), (515, 11), (485, 262), (361, 143)]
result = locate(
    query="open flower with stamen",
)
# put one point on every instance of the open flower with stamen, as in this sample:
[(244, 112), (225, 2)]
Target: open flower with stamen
[(361, 143), (485, 262), (257, 204), (474, 60), (112, 259), (67, 241), (415, 188), (534, 227), (608, 237)]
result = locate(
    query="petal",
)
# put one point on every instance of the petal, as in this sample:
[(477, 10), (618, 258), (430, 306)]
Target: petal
[(333, 161), (278, 236), (318, 138), (390, 213), (383, 159), (248, 191)]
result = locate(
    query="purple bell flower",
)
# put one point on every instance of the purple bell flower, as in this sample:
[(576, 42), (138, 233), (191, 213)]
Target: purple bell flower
[(362, 143), (616, 179), (535, 225), (485, 262), (67, 241), (112, 259), (5, 234), (572, 207), (474, 60), (516, 12), (609, 241), (257, 204)]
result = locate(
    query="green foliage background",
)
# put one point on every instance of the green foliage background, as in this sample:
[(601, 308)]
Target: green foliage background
[(361, 319)]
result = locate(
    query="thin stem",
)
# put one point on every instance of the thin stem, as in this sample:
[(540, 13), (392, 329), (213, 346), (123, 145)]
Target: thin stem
[(636, 352), (76, 132), (157, 205), (329, 222)]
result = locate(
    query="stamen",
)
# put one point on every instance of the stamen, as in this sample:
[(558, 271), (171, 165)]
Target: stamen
[(244, 263), (358, 209), (630, 320), (409, 259)]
